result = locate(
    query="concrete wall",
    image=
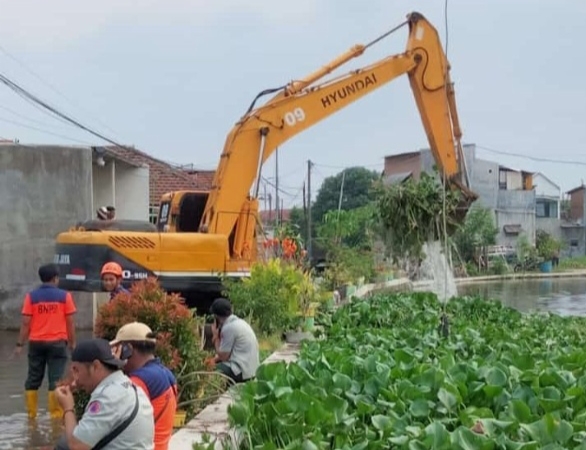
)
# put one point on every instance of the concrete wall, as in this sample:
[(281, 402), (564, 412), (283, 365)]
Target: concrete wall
[(577, 209), (124, 186), (131, 192), (43, 190), (103, 186), (410, 162), (484, 180), (550, 225), (574, 235), (546, 188), (515, 208)]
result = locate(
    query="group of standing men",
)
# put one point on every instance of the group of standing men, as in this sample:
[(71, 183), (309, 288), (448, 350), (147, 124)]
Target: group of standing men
[(133, 395)]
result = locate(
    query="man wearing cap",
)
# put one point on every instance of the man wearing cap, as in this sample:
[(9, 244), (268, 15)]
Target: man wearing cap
[(135, 342), (235, 343), (117, 412)]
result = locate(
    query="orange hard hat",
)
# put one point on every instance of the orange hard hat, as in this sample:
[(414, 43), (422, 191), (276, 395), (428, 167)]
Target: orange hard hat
[(111, 268)]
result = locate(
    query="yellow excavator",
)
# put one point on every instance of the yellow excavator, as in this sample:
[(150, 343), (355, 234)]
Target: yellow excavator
[(203, 236)]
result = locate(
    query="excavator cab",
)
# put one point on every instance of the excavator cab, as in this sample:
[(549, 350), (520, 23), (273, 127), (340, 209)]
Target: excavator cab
[(181, 211)]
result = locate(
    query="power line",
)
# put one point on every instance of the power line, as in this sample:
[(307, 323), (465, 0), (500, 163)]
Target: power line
[(22, 116), (31, 127), (532, 158), (27, 95), (328, 166), (52, 87), (282, 191)]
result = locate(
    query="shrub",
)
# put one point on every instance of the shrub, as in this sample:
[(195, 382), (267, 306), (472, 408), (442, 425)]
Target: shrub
[(179, 338), (269, 298)]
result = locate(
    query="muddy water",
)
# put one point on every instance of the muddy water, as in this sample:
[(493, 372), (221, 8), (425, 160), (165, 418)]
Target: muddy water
[(15, 430)]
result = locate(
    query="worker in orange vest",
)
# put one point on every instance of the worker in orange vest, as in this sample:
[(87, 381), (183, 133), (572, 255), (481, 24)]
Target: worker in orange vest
[(111, 276)]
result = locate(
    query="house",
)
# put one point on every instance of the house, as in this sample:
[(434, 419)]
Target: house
[(163, 176), (268, 219), (507, 192), (121, 182), (574, 225), (547, 204)]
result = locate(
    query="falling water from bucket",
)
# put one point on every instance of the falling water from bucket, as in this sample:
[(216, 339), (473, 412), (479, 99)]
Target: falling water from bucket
[(435, 272)]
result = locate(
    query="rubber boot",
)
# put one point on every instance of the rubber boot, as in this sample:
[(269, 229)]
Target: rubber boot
[(32, 403), (55, 410)]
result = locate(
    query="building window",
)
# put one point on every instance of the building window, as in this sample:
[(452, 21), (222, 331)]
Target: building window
[(153, 213), (546, 208), (574, 243)]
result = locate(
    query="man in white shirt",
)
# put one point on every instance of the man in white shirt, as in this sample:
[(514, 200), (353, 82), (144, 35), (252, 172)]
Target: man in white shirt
[(237, 354), (118, 414)]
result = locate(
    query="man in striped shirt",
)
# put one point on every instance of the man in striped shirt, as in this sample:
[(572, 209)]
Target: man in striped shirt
[(135, 342)]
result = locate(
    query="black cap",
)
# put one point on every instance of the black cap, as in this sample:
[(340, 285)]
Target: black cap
[(48, 272), (221, 307), (91, 349)]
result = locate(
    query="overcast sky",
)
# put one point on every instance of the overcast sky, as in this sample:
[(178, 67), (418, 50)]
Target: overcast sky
[(171, 77)]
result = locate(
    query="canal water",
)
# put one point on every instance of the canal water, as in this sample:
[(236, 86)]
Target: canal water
[(564, 296), (15, 430)]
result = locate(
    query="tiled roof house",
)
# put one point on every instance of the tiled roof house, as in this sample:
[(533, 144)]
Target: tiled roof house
[(163, 177), (268, 217)]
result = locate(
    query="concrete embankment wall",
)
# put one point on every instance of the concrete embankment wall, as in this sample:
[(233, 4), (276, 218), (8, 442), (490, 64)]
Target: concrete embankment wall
[(43, 191)]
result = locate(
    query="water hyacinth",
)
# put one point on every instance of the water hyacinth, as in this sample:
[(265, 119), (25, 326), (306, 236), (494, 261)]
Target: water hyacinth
[(386, 378)]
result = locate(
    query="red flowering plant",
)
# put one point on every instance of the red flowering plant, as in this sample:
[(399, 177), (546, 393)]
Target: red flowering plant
[(286, 245), (179, 341)]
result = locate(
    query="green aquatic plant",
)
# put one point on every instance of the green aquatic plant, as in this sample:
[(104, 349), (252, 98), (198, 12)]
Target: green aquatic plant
[(384, 377)]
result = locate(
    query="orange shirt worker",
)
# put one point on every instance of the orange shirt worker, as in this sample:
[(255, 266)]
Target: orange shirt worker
[(135, 342), (48, 325)]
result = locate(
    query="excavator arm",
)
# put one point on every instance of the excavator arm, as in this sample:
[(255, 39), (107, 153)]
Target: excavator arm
[(304, 103)]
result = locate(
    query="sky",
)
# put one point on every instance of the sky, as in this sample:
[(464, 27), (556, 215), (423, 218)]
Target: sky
[(172, 77)]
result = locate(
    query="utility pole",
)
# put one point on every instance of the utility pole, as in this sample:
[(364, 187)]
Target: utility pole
[(340, 203), (270, 210), (277, 203), (309, 243)]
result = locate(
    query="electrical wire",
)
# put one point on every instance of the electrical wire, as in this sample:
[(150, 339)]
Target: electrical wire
[(52, 87), (328, 166), (28, 119), (531, 158), (31, 127), (27, 95), (282, 191)]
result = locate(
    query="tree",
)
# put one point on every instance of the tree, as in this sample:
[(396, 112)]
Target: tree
[(358, 182), (478, 230), (298, 222), (351, 228), (347, 238)]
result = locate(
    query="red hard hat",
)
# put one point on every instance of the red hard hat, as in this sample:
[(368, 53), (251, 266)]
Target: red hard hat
[(111, 268)]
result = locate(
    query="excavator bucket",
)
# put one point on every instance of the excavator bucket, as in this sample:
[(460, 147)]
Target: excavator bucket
[(466, 199)]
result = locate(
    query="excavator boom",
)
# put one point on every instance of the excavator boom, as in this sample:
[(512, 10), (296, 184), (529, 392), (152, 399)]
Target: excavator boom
[(304, 103), (203, 236)]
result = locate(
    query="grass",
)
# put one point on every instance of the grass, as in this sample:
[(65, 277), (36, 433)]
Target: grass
[(572, 264), (269, 344)]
